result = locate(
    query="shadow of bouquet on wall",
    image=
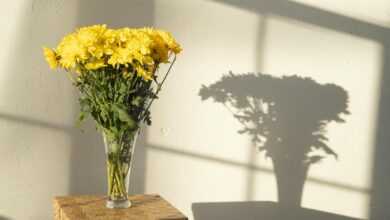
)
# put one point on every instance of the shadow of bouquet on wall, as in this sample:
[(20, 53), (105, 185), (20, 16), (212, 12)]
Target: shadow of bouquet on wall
[(286, 117)]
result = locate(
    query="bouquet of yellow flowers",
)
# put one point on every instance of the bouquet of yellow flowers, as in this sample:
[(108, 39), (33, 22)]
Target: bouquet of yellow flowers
[(116, 71)]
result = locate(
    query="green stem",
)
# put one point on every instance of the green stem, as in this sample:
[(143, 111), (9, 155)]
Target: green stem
[(116, 178), (110, 180), (159, 87), (122, 178)]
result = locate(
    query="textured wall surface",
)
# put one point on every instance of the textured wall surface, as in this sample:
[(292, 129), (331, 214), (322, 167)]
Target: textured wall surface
[(195, 149), (43, 153), (192, 154)]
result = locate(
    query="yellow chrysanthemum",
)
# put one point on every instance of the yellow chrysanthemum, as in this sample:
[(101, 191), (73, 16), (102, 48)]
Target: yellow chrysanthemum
[(170, 41), (96, 51), (87, 37), (50, 56), (71, 51), (95, 47), (161, 50), (146, 75), (94, 65), (120, 56)]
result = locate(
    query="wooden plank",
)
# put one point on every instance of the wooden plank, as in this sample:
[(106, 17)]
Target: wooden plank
[(148, 207)]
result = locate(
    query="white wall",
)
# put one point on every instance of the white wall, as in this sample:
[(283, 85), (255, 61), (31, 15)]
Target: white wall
[(192, 153), (43, 154), (37, 111)]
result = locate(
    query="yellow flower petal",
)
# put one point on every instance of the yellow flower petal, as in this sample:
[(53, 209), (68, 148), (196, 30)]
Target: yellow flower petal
[(95, 65), (50, 56)]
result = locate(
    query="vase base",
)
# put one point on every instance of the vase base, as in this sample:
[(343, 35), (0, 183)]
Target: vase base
[(118, 204)]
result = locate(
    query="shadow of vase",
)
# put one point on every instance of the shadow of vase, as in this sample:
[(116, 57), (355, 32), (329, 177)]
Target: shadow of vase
[(286, 117), (290, 187)]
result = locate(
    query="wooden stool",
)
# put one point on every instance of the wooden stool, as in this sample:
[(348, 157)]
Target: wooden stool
[(144, 207)]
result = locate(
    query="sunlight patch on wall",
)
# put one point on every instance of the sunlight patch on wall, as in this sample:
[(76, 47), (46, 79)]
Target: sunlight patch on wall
[(210, 49), (336, 200), (35, 137), (375, 12)]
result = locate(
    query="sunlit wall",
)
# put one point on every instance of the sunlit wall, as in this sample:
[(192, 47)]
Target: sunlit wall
[(36, 110), (196, 153), (193, 152), (43, 153)]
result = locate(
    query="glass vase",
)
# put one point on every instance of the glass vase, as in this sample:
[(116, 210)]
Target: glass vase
[(119, 160)]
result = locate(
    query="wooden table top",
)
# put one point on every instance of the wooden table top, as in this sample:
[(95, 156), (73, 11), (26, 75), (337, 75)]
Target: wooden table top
[(85, 207)]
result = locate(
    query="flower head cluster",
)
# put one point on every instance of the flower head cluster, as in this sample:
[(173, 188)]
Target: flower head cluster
[(94, 47)]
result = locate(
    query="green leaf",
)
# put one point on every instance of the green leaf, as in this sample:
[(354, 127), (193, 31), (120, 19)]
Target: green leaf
[(124, 116), (137, 101), (82, 116), (84, 104), (104, 114), (122, 88), (109, 135)]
